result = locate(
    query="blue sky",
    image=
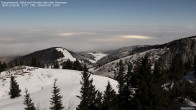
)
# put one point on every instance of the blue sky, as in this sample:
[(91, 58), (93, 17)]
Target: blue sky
[(95, 24)]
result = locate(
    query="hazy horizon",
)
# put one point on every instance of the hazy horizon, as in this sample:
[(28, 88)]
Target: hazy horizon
[(95, 25)]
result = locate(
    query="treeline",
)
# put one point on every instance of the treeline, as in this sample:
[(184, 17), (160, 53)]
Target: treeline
[(76, 65), (3, 66), (35, 62)]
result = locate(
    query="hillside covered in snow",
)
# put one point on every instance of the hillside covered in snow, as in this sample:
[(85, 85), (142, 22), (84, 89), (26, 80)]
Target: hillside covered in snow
[(39, 82)]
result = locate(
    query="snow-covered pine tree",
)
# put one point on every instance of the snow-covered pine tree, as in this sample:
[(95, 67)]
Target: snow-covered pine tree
[(14, 88), (87, 92), (28, 101), (56, 100)]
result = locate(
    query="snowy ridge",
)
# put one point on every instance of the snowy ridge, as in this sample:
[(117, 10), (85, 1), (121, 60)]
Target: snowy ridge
[(110, 68), (66, 54), (39, 82), (97, 56)]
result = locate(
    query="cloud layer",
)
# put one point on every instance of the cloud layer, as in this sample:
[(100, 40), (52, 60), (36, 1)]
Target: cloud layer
[(136, 37), (20, 41)]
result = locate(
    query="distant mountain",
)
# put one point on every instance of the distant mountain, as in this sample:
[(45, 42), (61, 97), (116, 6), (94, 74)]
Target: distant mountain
[(46, 56), (182, 49), (59, 54)]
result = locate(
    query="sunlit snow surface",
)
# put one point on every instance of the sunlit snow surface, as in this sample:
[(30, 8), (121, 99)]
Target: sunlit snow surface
[(39, 82), (66, 54), (97, 56)]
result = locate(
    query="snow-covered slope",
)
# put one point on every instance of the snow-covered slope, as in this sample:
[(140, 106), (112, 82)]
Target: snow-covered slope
[(66, 54), (97, 56), (39, 82), (111, 68)]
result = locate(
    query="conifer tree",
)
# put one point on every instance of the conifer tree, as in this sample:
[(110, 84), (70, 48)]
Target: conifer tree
[(68, 64), (56, 65), (109, 98), (149, 94), (159, 99), (56, 100), (34, 62), (194, 66), (18, 62), (87, 92), (121, 77), (177, 69), (77, 65), (121, 82), (98, 100), (143, 82), (28, 101), (14, 88), (126, 95), (3, 66)]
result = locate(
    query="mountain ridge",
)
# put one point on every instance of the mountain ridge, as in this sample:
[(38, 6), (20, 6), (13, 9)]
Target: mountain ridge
[(166, 53)]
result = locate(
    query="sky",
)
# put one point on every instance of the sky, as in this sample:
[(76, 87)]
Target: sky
[(84, 25)]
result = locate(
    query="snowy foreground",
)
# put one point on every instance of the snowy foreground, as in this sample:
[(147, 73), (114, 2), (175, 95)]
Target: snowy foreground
[(39, 82)]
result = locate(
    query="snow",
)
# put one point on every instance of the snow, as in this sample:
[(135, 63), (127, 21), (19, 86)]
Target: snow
[(168, 85), (39, 82), (190, 103), (187, 108), (66, 54), (194, 38), (97, 56)]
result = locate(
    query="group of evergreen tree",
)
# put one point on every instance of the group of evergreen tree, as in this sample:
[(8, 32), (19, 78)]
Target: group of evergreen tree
[(3, 66), (36, 63), (182, 88), (76, 65), (139, 88), (149, 93), (18, 62), (56, 99), (56, 65), (92, 99)]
